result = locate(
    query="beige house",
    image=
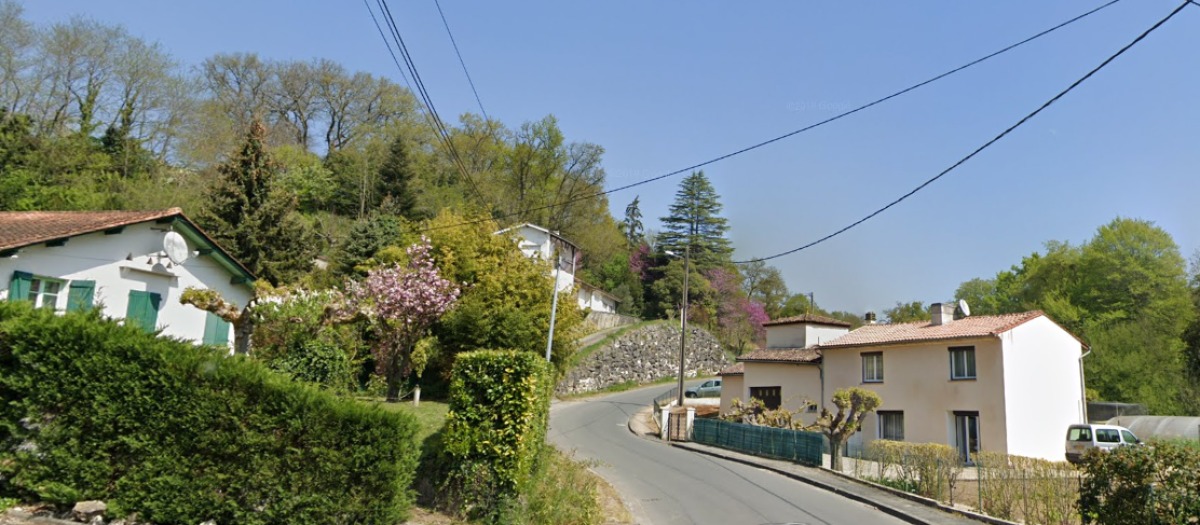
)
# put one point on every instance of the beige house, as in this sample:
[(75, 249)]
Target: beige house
[(787, 373), (1005, 383)]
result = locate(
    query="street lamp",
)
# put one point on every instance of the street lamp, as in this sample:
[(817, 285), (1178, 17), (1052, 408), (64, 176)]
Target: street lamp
[(687, 258)]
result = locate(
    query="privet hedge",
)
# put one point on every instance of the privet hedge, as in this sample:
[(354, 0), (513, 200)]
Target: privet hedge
[(1158, 483), (495, 429), (181, 434)]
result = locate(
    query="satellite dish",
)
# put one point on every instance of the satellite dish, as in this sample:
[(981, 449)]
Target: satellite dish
[(176, 247), (962, 305)]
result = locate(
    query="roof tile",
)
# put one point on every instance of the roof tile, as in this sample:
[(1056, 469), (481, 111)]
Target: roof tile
[(900, 333), (808, 318), (783, 355), (23, 228)]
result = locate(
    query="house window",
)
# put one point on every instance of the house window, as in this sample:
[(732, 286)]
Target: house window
[(43, 292), (769, 395), (872, 367), (962, 362), (891, 425), (81, 295), (811, 408)]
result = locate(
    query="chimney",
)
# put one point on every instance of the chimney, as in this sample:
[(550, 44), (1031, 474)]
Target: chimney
[(941, 313), (869, 318)]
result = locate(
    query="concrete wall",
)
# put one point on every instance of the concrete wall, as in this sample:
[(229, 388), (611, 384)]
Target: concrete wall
[(798, 382), (732, 387), (917, 381), (1041, 369), (643, 355), (801, 335), (101, 258), (591, 298)]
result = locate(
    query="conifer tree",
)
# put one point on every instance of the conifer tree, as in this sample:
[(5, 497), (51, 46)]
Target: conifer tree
[(695, 216), (256, 223)]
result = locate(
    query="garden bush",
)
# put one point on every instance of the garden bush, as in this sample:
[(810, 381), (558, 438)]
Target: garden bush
[(1158, 483), (183, 434), (495, 431), (1031, 489), (929, 469)]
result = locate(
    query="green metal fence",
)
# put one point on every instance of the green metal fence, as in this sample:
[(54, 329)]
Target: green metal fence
[(780, 443)]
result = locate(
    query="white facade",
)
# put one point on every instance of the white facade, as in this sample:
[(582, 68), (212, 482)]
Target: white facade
[(802, 335), (537, 242), (1044, 391), (123, 265)]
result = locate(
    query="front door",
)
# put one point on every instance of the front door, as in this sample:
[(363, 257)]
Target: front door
[(966, 434)]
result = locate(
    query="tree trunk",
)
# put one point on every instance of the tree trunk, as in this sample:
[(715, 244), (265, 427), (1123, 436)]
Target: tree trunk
[(242, 328), (393, 380), (835, 455)]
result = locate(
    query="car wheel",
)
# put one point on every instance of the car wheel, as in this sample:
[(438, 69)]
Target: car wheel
[(689, 394)]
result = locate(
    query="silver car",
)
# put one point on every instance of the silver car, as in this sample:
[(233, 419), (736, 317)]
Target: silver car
[(710, 388)]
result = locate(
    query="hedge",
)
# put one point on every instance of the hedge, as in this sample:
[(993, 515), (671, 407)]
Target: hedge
[(495, 430), (182, 434), (1157, 483)]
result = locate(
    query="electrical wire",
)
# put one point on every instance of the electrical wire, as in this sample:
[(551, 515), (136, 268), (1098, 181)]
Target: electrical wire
[(418, 86), (460, 59), (801, 130), (985, 145)]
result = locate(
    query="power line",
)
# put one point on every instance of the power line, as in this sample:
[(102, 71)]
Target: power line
[(804, 129), (460, 58), (985, 145), (418, 86)]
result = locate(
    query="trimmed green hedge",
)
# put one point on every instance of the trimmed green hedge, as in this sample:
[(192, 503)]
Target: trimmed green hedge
[(495, 430), (183, 434), (1157, 483)]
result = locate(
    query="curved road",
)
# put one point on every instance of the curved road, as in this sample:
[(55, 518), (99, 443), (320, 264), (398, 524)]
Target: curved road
[(663, 485)]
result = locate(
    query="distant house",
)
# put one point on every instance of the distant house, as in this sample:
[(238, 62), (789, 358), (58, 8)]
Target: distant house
[(1004, 383), (132, 264), (538, 242)]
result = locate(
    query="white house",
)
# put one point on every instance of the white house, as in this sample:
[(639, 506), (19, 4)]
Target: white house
[(787, 373), (1004, 383), (538, 242), (132, 264)]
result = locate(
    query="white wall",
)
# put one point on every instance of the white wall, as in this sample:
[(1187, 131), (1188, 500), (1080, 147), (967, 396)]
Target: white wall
[(1042, 394), (732, 387), (801, 335), (799, 383), (598, 302), (101, 258)]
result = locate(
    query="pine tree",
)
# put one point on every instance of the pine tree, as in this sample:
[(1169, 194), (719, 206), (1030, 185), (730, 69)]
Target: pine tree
[(695, 216), (632, 225), (395, 181), (256, 224)]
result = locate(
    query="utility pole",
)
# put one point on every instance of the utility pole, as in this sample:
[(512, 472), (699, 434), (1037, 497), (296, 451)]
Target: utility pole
[(687, 271), (554, 301)]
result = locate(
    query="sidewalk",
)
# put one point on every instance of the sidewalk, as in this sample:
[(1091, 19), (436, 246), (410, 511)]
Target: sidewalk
[(908, 507)]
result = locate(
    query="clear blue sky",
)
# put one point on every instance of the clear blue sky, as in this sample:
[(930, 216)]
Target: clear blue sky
[(663, 85)]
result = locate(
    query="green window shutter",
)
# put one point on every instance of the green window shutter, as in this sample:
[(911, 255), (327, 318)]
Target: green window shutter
[(216, 330), (81, 296), (18, 288), (142, 311)]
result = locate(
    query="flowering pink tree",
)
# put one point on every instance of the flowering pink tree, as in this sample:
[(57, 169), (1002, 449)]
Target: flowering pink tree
[(739, 318), (402, 302)]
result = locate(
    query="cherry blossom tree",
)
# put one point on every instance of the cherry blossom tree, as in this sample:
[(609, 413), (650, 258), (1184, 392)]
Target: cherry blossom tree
[(401, 303)]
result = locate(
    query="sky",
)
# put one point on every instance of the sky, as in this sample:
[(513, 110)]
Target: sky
[(666, 85)]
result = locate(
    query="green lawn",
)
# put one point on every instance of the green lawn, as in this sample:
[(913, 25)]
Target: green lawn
[(430, 415)]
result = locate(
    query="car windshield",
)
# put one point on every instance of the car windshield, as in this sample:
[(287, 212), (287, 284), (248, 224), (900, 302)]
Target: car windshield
[(1079, 434)]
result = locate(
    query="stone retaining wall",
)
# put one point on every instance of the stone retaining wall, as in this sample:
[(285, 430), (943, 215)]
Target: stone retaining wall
[(644, 355)]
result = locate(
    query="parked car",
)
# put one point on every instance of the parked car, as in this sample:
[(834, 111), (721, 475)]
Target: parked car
[(1081, 438), (710, 388)]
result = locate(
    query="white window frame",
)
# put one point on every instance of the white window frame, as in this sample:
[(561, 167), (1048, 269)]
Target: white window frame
[(873, 373), (969, 364), (38, 294)]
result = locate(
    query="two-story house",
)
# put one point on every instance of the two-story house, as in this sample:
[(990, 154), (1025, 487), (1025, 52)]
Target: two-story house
[(538, 242), (1005, 383), (787, 373), (133, 265)]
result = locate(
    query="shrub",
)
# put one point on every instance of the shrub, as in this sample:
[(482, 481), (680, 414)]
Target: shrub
[(1159, 483), (927, 469), (1035, 490), (291, 337), (182, 434), (494, 433)]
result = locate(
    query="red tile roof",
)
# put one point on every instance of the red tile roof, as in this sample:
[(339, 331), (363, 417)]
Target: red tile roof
[(808, 318), (23, 228), (735, 370), (783, 355), (921, 331)]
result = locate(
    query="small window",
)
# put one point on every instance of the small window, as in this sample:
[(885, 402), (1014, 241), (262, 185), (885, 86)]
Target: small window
[(811, 408), (962, 362), (872, 364), (891, 425), (1083, 434), (769, 395), (1107, 435), (43, 292), (1128, 437)]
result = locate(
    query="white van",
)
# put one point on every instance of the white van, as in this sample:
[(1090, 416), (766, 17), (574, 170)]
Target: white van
[(1081, 438)]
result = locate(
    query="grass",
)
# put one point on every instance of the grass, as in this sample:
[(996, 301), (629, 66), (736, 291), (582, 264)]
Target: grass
[(430, 415), (565, 492)]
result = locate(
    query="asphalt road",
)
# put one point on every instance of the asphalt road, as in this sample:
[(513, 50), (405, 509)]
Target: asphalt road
[(663, 485)]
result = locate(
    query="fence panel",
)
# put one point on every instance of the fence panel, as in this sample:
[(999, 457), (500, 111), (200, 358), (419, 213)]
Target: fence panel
[(791, 445)]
